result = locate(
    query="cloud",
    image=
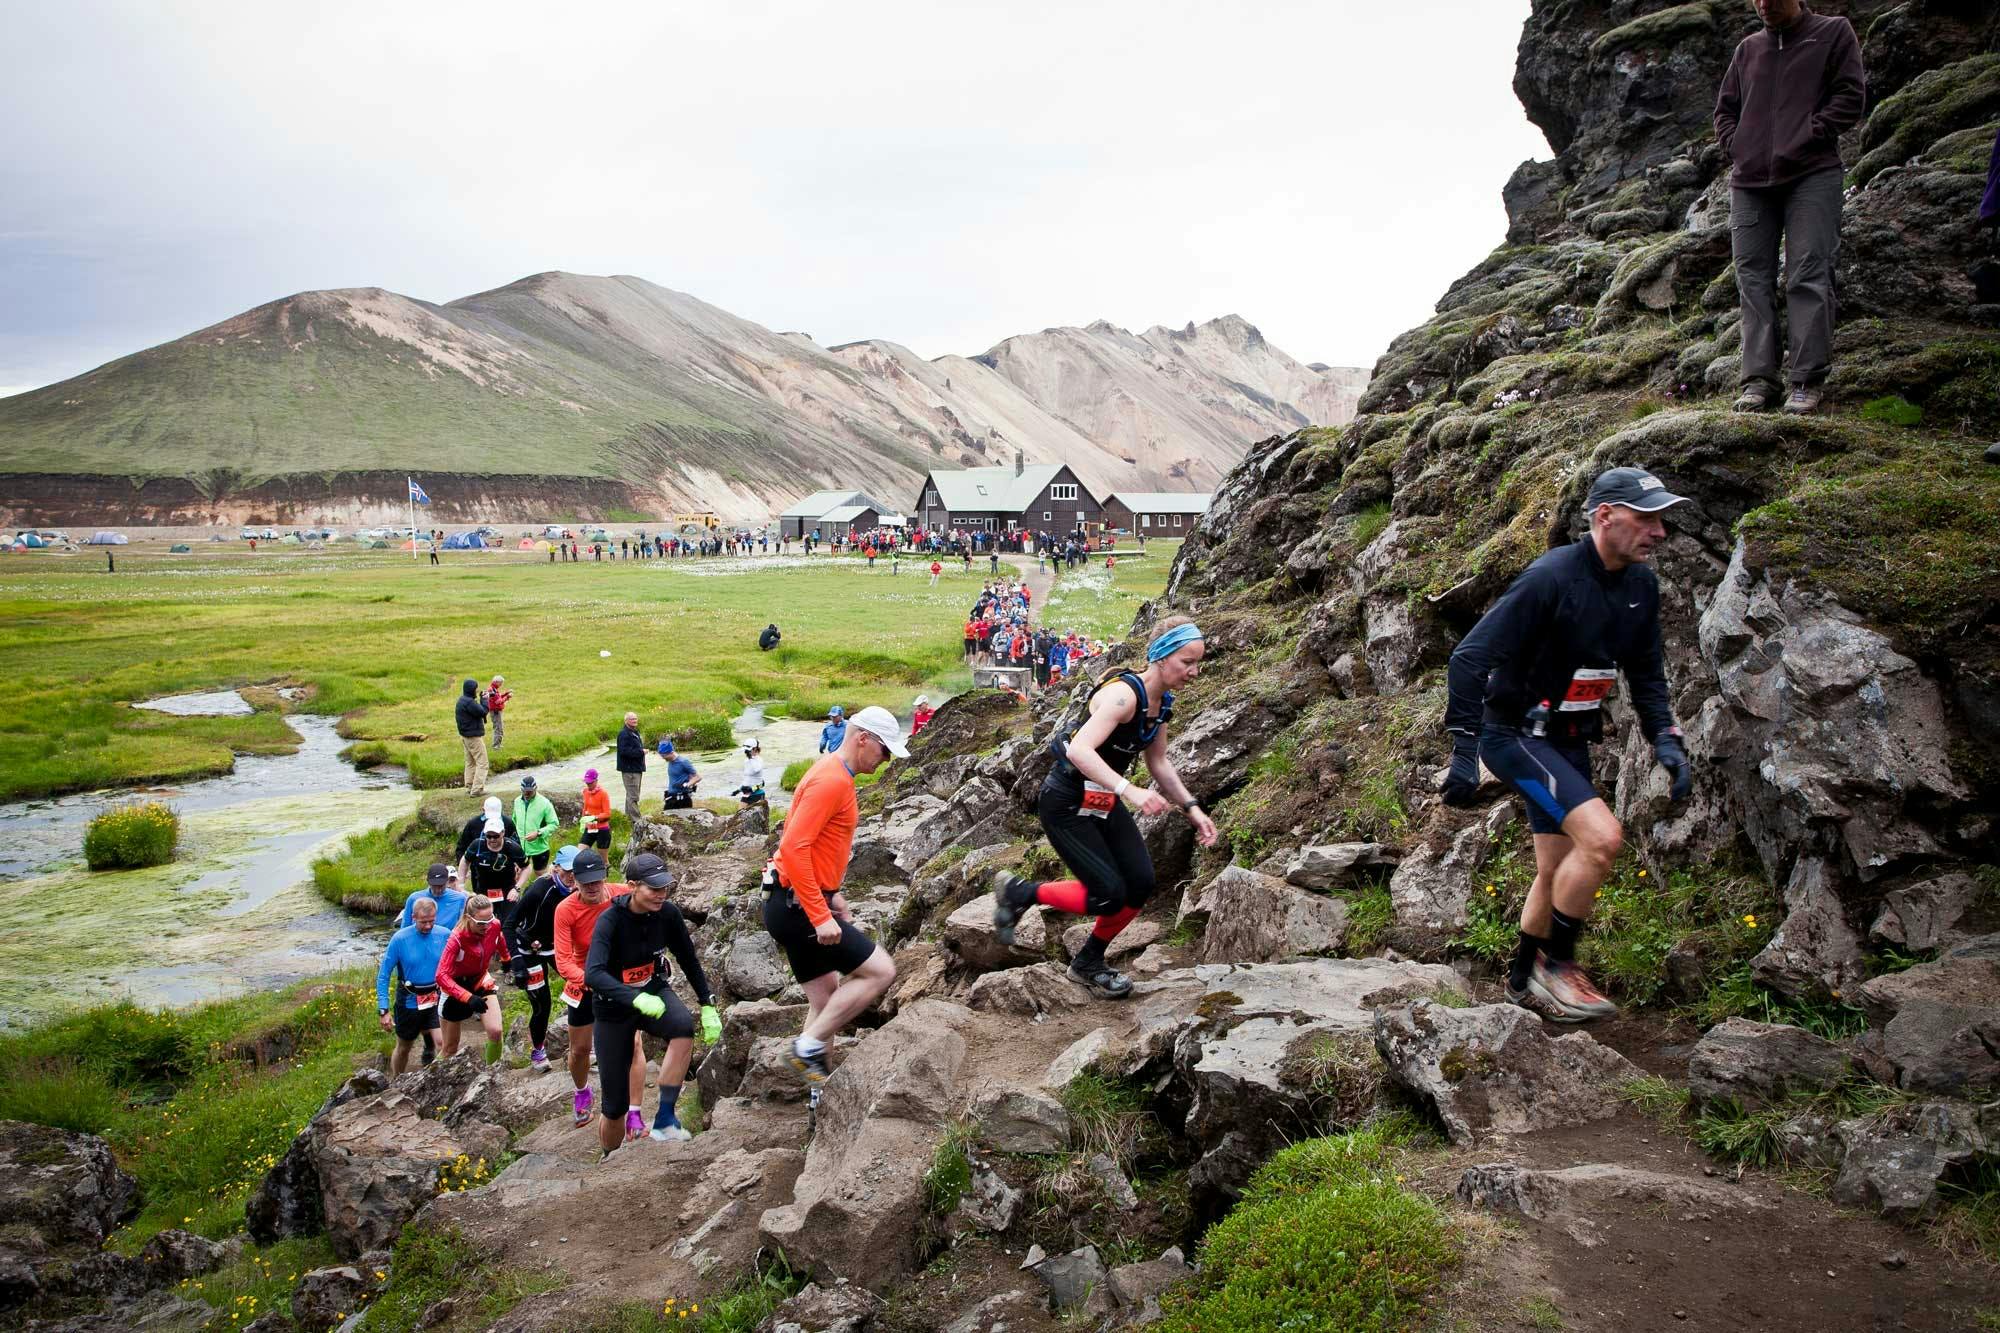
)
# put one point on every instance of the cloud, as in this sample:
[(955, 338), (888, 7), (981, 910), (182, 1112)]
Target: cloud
[(942, 175)]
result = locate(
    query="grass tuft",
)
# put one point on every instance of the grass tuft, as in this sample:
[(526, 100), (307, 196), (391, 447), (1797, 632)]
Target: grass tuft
[(132, 836)]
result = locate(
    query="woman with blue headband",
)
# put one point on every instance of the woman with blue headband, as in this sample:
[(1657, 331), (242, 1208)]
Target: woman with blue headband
[(1086, 805)]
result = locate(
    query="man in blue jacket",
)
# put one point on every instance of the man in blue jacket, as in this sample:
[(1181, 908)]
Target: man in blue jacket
[(681, 778), (631, 762), (471, 719), (1526, 693), (413, 954), (834, 732)]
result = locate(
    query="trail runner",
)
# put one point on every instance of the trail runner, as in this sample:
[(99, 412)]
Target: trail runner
[(413, 955), (469, 953)]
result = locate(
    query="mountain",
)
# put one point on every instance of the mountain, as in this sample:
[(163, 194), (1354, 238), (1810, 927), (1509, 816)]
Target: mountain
[(571, 394)]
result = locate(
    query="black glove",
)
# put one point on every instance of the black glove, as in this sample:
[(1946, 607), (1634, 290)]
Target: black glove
[(517, 972), (1673, 757), (1461, 786)]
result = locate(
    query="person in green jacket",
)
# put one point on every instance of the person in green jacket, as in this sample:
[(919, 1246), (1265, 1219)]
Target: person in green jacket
[(535, 823)]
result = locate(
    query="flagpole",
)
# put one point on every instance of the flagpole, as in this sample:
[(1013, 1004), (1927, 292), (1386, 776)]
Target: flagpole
[(411, 487)]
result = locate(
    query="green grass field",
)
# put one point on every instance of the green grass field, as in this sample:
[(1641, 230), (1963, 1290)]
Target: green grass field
[(384, 642), (1100, 602)]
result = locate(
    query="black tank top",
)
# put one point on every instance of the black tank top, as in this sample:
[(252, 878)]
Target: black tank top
[(1127, 741)]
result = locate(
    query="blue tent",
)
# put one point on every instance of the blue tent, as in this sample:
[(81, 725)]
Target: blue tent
[(107, 539), (29, 539), (465, 541)]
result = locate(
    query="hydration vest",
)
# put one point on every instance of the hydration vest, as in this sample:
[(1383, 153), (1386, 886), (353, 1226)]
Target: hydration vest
[(1129, 739)]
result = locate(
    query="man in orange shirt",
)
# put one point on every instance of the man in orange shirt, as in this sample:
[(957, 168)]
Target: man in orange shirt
[(576, 917), (841, 969)]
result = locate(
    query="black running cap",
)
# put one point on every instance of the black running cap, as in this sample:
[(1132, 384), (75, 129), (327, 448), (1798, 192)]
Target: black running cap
[(589, 867), (1633, 487), (650, 870), (437, 874)]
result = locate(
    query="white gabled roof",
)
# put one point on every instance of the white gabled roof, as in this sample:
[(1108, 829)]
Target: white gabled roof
[(845, 514), (993, 488), (821, 504), (1164, 502)]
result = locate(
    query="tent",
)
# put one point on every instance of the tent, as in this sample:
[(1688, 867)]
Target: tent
[(290, 539), (107, 539), (180, 548), (378, 545), (527, 544), (29, 539), (465, 541)]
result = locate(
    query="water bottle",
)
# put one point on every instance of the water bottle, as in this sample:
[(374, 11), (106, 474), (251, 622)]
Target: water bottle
[(1538, 719)]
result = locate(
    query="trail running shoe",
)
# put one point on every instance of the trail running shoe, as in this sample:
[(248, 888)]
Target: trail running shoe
[(668, 1134), (635, 1124), (1533, 1003), (1100, 980), (1564, 986), (1012, 896), (811, 1067), (582, 1104), (539, 1058)]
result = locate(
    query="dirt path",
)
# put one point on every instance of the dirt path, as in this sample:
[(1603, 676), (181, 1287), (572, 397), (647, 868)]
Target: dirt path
[(1038, 584)]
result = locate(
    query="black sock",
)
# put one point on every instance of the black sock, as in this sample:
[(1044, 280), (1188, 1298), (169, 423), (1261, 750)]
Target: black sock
[(1563, 931), (1090, 957), (1523, 961)]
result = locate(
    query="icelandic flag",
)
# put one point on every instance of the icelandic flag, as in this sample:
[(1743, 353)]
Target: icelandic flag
[(417, 495)]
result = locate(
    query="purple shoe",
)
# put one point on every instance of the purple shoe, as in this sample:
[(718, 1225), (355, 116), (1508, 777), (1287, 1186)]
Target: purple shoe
[(583, 1103), (539, 1058), (635, 1124)]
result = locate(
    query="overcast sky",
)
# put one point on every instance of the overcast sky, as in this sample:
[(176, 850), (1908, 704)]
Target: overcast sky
[(940, 174)]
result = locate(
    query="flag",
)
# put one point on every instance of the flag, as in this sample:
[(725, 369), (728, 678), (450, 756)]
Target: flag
[(417, 495)]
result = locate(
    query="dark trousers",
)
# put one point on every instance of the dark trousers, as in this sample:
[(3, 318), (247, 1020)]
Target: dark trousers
[(1804, 217)]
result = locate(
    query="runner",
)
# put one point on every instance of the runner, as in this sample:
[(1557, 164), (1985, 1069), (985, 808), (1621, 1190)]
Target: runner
[(1527, 686), (413, 954), (447, 902), (681, 779), (627, 972), (575, 918), (495, 867), (535, 822), (1089, 825), (834, 732), (471, 830), (841, 969), (595, 828), (532, 938), (469, 952)]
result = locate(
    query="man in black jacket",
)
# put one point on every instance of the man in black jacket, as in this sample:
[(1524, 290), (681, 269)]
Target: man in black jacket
[(769, 638), (1526, 693), (475, 827), (631, 763), (627, 975), (1791, 91), (531, 936), (472, 730)]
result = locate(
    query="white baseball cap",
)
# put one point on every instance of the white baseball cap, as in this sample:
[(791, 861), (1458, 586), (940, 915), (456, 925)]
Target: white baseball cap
[(495, 826), (492, 806), (882, 725)]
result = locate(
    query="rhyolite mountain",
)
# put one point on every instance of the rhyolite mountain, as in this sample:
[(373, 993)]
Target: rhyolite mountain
[(564, 394)]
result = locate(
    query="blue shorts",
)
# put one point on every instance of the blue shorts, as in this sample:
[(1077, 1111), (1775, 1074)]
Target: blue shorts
[(1552, 778)]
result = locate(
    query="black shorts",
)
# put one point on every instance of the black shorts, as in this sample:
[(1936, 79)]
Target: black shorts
[(601, 838), (457, 1011), (786, 921), (412, 1022), (612, 1039), (540, 860), (677, 800), (583, 1013), (1553, 777)]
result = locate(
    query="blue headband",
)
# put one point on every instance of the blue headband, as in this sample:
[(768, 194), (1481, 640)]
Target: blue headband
[(1180, 636)]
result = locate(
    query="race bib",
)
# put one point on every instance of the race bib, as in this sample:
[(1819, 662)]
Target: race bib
[(424, 1000), (495, 895), (537, 977), (572, 994), (637, 976), (1588, 688), (1098, 802)]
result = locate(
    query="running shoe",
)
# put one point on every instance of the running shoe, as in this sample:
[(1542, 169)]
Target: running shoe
[(1533, 1003), (1012, 897), (539, 1058), (1100, 980), (635, 1124), (1564, 986), (668, 1134), (582, 1104), (812, 1067)]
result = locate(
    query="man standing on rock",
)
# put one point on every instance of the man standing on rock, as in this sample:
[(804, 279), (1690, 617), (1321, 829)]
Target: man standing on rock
[(841, 969), (1791, 91), (472, 730), (1527, 688), (532, 935), (1082, 805), (627, 972), (631, 763), (413, 954)]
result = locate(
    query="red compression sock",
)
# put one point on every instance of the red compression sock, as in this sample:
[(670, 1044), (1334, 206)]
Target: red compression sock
[(1065, 895), (1107, 927)]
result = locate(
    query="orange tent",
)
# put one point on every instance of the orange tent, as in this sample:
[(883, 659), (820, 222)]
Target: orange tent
[(527, 544)]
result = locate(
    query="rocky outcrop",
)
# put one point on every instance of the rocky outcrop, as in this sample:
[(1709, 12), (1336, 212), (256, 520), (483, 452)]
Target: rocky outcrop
[(1761, 1064), (1894, 1160), (1255, 918), (1941, 1021), (1575, 1198)]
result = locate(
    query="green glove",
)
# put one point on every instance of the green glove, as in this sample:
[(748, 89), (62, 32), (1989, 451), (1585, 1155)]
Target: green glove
[(652, 1006), (711, 1024)]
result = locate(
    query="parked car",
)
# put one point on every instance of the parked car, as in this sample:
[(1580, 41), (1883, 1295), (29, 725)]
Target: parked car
[(258, 535)]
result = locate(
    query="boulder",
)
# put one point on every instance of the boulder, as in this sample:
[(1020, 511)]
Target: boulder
[(174, 1255), (1330, 865), (326, 1296), (378, 1159), (1255, 918), (1078, 1056), (1575, 1198), (1071, 1278), (723, 1068), (1928, 914), (1019, 1120), (754, 968), (1431, 888), (1494, 1069), (912, 830), (923, 967), (286, 1202), (1133, 1286), (1894, 1159), (770, 1076), (988, 1205), (1213, 751), (65, 1186), (1135, 938), (857, 1203), (1815, 954), (1761, 1064), (1940, 1021), (998, 1314), (1044, 988), (969, 933), (835, 1308), (1111, 1180)]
